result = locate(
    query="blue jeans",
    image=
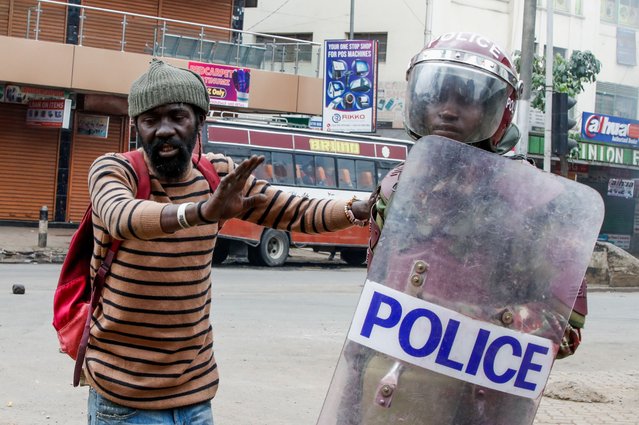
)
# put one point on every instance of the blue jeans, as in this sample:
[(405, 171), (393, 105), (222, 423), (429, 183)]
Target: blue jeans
[(104, 412)]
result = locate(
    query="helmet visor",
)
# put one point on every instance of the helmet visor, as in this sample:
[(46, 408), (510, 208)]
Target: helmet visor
[(458, 102)]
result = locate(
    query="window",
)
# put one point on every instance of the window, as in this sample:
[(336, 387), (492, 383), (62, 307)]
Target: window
[(288, 50), (562, 6), (250, 3), (556, 50), (617, 100), (283, 168), (365, 175), (346, 171), (382, 41), (621, 12), (238, 154), (305, 170), (325, 171)]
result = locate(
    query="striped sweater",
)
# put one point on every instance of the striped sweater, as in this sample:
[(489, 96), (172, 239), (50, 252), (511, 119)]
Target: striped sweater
[(151, 343)]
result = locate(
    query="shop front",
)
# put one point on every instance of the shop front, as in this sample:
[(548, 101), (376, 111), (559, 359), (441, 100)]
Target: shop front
[(608, 161), (48, 141)]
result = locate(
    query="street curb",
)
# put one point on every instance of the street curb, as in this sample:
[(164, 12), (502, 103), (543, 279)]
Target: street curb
[(56, 256), (53, 256)]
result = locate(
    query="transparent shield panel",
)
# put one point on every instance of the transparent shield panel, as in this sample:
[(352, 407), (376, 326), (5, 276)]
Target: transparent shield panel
[(471, 240)]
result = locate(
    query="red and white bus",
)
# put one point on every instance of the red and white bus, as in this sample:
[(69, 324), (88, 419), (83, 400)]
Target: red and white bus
[(308, 163)]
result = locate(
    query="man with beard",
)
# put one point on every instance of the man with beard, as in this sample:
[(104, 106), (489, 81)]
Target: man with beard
[(150, 354)]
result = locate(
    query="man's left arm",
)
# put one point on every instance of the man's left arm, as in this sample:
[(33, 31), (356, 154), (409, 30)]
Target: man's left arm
[(241, 195)]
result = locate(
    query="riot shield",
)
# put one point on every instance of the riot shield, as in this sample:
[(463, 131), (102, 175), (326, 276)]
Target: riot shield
[(474, 277)]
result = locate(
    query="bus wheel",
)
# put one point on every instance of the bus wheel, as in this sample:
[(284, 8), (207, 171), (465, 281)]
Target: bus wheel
[(221, 250), (353, 257), (272, 250)]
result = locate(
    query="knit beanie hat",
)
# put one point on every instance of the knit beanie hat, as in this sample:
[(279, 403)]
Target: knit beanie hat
[(163, 84)]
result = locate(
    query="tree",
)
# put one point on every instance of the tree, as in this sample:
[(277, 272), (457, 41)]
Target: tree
[(568, 76)]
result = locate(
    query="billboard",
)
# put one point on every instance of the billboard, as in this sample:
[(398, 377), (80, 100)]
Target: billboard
[(610, 130), (227, 85), (350, 86)]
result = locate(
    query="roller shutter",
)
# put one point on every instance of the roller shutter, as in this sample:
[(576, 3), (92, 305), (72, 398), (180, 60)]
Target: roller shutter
[(84, 151), (28, 164), (5, 9), (620, 212)]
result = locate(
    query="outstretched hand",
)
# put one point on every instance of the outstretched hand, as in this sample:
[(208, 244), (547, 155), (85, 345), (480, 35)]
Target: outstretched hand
[(362, 209), (228, 201)]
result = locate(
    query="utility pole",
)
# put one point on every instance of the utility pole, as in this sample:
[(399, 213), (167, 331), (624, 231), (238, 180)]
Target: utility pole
[(526, 67), (549, 85), (352, 19)]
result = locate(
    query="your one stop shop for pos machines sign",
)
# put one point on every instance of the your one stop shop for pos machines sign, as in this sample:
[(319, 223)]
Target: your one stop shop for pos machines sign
[(350, 85)]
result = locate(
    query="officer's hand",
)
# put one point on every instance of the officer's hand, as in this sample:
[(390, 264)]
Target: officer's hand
[(361, 210), (228, 201)]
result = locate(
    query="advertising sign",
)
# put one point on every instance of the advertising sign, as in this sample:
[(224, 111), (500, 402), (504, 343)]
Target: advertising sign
[(227, 85), (350, 86), (23, 94), (621, 241), (93, 125), (610, 130), (621, 188), (49, 113)]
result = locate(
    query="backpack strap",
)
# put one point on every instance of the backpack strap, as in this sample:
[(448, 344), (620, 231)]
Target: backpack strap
[(208, 171), (136, 158)]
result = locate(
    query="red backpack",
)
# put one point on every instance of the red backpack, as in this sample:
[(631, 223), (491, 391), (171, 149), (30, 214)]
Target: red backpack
[(75, 298)]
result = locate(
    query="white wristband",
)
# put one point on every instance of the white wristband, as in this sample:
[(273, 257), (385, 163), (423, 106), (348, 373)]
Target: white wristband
[(181, 215)]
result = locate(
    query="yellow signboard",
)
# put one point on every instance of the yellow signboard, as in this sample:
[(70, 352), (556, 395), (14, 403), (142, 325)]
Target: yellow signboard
[(337, 146)]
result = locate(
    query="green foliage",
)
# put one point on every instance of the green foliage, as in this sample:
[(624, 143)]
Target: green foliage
[(569, 76)]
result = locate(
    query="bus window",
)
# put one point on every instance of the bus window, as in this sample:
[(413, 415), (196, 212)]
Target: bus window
[(346, 169), (237, 154), (325, 171), (264, 171), (381, 172), (365, 173), (305, 166), (283, 168)]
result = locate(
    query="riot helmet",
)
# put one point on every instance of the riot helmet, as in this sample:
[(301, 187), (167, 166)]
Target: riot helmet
[(464, 87)]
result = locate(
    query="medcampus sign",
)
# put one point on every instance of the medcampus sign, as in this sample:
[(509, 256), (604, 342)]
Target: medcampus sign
[(610, 130)]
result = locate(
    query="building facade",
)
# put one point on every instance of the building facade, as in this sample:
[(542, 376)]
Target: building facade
[(606, 28), (88, 56), (65, 75)]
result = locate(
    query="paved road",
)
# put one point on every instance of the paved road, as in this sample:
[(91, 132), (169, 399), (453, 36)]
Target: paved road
[(278, 336)]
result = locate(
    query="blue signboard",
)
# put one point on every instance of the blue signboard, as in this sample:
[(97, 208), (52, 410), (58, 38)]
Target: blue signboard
[(610, 130), (350, 85)]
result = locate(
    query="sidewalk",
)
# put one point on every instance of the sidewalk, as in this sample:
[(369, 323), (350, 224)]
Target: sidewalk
[(19, 244)]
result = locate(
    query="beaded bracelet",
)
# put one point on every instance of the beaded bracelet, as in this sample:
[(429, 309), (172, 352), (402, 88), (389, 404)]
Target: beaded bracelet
[(348, 211)]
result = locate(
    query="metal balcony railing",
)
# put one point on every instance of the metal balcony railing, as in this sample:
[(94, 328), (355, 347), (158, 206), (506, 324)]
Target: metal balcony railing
[(163, 37)]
